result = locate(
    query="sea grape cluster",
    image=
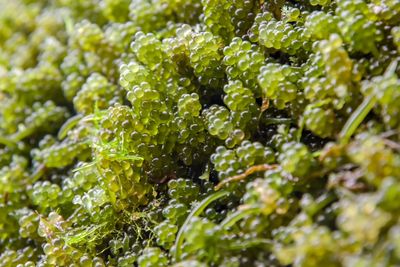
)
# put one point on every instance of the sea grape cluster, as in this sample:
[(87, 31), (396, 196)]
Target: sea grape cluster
[(199, 133)]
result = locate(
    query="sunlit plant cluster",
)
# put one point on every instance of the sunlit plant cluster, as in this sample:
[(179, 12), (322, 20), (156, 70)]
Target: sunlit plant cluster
[(200, 133)]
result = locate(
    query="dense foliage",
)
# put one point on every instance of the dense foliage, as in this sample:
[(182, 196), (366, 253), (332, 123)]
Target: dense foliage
[(199, 133)]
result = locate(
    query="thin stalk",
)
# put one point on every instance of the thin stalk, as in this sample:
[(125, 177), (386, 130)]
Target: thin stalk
[(269, 121), (68, 125), (195, 212), (249, 171), (356, 118), (7, 142), (230, 220), (243, 244)]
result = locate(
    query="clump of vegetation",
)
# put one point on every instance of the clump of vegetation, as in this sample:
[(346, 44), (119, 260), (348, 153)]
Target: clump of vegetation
[(199, 133)]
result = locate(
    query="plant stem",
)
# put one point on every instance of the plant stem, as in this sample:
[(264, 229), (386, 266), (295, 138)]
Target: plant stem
[(195, 212), (230, 220), (356, 118)]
